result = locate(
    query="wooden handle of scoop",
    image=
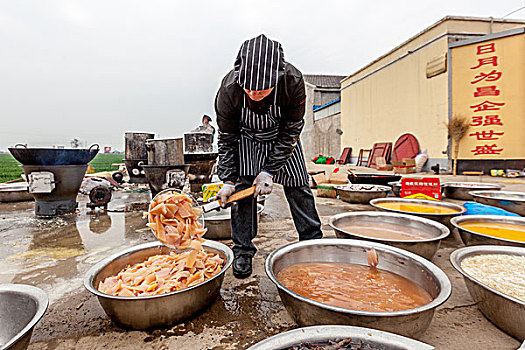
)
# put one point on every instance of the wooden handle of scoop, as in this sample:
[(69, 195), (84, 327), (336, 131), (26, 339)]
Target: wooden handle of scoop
[(241, 194)]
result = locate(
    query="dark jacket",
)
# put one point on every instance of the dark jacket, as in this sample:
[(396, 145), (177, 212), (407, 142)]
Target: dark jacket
[(291, 98)]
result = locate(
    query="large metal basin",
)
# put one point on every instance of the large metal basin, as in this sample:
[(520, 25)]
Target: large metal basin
[(441, 218), (21, 307), (373, 179), (15, 192), (54, 156), (157, 310), (218, 223), (361, 194), (506, 312), (426, 248), (460, 190), (307, 312), (315, 334), (470, 237), (510, 201)]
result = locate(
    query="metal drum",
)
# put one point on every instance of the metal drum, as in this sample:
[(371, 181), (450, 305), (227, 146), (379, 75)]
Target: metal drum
[(165, 151), (135, 145)]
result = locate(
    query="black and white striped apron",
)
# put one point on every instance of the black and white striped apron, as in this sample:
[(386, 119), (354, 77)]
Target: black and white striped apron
[(258, 134)]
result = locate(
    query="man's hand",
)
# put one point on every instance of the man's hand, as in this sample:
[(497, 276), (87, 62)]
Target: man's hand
[(226, 191), (263, 183)]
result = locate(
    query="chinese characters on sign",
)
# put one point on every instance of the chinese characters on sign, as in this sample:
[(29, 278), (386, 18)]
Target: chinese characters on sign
[(487, 118)]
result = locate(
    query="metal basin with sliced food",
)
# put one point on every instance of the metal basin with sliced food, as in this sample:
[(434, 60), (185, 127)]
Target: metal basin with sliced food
[(493, 277), (161, 310), (361, 194), (461, 190), (417, 235), (510, 201), (306, 311), (367, 337), (438, 211), (21, 307), (491, 229)]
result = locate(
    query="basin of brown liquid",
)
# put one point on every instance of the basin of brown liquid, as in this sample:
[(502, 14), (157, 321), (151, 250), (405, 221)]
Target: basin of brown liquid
[(384, 230), (353, 286)]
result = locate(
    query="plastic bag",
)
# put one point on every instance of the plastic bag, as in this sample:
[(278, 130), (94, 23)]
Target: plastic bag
[(421, 159)]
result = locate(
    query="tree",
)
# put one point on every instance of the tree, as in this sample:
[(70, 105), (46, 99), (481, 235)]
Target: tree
[(75, 143)]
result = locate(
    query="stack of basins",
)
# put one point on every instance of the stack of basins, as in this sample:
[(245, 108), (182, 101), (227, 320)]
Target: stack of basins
[(198, 151), (136, 155), (165, 166), (54, 176)]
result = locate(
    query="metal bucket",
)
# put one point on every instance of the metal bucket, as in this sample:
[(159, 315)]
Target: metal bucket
[(165, 151), (195, 142), (135, 145)]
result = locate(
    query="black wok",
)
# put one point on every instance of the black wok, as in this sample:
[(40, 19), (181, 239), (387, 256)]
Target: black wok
[(53, 156), (373, 179)]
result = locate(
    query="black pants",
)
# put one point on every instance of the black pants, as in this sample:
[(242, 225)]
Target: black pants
[(244, 217)]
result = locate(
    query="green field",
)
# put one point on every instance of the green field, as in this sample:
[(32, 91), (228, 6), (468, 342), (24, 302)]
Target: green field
[(10, 169)]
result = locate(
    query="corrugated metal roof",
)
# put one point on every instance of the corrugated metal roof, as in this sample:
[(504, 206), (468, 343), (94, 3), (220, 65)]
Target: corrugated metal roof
[(324, 81), (316, 107)]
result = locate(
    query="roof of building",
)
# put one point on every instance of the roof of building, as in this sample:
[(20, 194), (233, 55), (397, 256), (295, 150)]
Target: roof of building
[(324, 81), (444, 19)]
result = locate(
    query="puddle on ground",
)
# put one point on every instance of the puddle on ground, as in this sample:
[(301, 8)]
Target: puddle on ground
[(54, 253)]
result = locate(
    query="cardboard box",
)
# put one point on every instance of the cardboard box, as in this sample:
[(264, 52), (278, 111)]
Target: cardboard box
[(386, 167), (421, 188), (319, 179), (326, 190), (338, 178), (406, 166)]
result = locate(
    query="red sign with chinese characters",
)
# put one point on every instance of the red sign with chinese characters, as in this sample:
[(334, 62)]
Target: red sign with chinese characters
[(425, 188), (483, 118)]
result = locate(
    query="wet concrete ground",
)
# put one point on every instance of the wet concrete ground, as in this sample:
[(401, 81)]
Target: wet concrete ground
[(54, 254)]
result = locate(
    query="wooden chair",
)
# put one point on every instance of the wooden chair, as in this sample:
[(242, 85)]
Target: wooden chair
[(345, 156), (360, 161)]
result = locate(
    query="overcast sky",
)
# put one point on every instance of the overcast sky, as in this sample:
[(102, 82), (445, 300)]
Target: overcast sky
[(95, 69)]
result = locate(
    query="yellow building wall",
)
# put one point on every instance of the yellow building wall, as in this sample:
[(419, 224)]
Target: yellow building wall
[(388, 98), (396, 100), (499, 131)]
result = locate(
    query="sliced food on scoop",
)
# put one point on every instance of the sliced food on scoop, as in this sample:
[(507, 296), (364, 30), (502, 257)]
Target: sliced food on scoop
[(174, 220)]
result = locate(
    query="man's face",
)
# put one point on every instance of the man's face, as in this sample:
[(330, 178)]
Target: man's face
[(205, 121), (258, 95)]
